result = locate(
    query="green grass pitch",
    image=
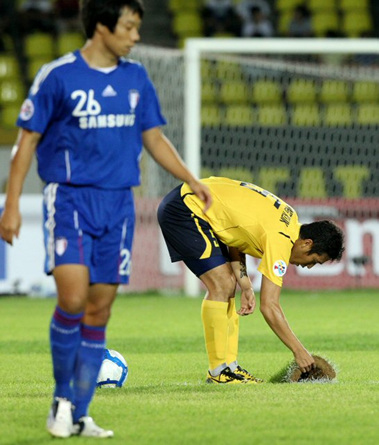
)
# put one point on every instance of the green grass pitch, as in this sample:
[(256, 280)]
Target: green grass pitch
[(166, 400)]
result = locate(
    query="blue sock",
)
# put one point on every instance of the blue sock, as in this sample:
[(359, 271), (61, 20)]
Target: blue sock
[(88, 363), (64, 343)]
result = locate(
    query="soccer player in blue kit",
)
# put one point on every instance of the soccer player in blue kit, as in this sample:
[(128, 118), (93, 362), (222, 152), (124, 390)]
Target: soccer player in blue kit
[(86, 117)]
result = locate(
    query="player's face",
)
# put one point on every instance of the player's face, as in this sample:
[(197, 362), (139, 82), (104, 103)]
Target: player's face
[(300, 255), (125, 35)]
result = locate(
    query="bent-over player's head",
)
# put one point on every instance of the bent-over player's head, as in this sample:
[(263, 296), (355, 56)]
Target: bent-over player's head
[(106, 12), (327, 238), (318, 242)]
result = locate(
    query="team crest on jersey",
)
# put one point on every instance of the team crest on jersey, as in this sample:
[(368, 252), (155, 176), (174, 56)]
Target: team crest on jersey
[(133, 99), (61, 246), (27, 110), (280, 268)]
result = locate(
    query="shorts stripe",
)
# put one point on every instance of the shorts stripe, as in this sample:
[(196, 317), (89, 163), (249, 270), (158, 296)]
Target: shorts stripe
[(123, 234), (50, 196), (208, 248), (80, 237), (122, 244), (68, 165)]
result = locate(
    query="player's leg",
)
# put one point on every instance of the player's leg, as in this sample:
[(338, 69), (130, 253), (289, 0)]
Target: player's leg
[(220, 283), (73, 219), (233, 340), (233, 335), (110, 266), (220, 319), (72, 282), (90, 356), (191, 239)]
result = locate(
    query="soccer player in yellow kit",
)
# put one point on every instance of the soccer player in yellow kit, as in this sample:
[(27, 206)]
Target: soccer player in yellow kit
[(243, 219)]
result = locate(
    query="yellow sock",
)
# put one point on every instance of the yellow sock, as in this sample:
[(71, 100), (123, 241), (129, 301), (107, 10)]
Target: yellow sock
[(215, 323), (233, 332)]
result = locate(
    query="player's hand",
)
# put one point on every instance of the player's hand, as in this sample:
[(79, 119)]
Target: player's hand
[(305, 360), (10, 223), (202, 191), (247, 302)]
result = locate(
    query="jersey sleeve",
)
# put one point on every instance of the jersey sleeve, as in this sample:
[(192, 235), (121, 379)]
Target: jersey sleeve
[(151, 115), (275, 260), (41, 105)]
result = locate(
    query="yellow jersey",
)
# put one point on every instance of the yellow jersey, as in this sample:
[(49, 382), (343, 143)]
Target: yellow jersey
[(251, 219)]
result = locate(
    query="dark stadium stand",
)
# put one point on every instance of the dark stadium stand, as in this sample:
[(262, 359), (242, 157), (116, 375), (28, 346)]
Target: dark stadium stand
[(22, 56), (345, 18)]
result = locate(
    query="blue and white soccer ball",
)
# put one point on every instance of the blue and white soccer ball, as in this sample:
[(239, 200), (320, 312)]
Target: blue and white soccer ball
[(114, 370)]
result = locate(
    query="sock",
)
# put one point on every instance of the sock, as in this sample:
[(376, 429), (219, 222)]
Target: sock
[(233, 366), (64, 343), (217, 371), (215, 323), (233, 335), (88, 363)]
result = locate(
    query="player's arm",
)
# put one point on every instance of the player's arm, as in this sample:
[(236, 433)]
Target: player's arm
[(238, 263), (22, 156), (165, 154), (274, 316)]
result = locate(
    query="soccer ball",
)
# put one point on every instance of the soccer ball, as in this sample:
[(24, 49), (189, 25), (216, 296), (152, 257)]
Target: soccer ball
[(114, 370)]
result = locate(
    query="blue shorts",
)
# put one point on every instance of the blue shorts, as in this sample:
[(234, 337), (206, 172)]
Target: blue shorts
[(89, 226), (188, 237)]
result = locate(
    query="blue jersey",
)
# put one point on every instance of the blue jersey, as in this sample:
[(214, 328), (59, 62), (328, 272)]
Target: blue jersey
[(91, 121)]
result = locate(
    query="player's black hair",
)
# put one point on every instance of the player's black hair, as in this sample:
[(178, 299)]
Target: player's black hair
[(327, 238), (106, 12)]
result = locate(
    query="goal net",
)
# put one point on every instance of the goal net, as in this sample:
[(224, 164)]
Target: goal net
[(297, 117)]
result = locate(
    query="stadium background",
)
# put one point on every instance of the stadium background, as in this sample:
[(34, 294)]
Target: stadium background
[(304, 127)]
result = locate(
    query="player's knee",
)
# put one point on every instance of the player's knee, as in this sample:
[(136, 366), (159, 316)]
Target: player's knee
[(71, 304), (98, 315), (224, 287)]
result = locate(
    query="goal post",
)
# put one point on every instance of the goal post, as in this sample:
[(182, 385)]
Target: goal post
[(352, 170)]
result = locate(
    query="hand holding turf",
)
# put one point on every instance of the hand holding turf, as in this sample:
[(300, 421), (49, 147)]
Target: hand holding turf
[(322, 371)]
